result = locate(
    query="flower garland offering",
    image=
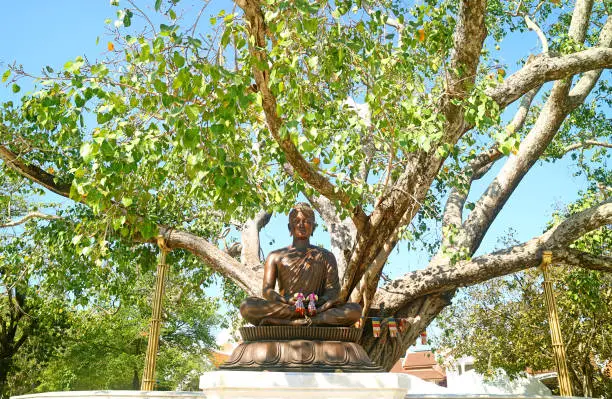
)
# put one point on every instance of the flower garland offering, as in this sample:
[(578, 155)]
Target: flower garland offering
[(312, 304), (299, 304), (300, 309)]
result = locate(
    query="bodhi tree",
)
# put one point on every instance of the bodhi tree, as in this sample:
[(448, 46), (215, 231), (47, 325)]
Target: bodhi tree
[(382, 114)]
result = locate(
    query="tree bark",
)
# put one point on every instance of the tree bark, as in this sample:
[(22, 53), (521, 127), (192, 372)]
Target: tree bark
[(341, 232), (246, 277), (9, 343), (249, 237), (441, 278), (385, 350), (543, 69)]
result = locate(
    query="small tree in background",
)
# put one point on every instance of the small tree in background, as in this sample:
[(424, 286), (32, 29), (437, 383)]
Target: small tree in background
[(68, 323), (503, 323)]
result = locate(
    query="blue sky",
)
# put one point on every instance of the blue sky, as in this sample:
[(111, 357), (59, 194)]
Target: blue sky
[(39, 33), (36, 33)]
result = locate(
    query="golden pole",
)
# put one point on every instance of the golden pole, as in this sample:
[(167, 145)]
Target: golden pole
[(565, 386), (148, 375)]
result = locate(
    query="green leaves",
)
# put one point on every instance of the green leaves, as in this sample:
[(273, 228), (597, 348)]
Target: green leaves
[(88, 150), (481, 111), (148, 229), (126, 201), (74, 66), (192, 112), (178, 59), (127, 18)]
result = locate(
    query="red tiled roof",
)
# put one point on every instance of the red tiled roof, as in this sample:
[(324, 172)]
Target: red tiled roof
[(420, 359), (397, 367), (420, 364), (427, 375)]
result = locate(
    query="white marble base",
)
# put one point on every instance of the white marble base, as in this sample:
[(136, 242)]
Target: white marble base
[(276, 385), (258, 384), (114, 395)]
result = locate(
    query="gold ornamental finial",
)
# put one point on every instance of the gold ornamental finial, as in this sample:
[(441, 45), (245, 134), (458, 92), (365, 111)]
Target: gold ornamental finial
[(546, 258)]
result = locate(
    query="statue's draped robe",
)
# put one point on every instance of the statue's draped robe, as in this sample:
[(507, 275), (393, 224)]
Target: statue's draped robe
[(310, 271), (313, 271)]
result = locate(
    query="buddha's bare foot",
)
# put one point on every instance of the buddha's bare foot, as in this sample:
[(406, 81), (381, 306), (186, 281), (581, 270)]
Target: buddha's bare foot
[(300, 322)]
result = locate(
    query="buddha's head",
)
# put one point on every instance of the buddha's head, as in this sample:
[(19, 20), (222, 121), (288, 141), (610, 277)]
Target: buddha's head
[(301, 221)]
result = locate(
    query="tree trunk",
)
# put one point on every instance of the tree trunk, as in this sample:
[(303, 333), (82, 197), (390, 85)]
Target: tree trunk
[(587, 380), (386, 350), (575, 379), (6, 361), (136, 380)]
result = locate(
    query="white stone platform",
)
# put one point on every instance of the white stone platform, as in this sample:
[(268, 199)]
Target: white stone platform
[(277, 385), (114, 395)]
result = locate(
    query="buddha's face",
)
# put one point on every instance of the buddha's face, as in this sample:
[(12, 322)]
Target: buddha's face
[(301, 226)]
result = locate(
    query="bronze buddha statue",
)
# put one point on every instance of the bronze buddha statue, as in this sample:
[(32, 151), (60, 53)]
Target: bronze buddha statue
[(280, 340), (301, 269)]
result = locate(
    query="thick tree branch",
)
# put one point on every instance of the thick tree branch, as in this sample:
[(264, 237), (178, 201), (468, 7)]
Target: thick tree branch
[(547, 125), (580, 20), (341, 232), (468, 39), (245, 277), (31, 215), (576, 258), (366, 288), (586, 83), (422, 167), (448, 277), (578, 225), (257, 29), (515, 168), (34, 173), (249, 237), (477, 168), (453, 210), (577, 32), (543, 69)]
